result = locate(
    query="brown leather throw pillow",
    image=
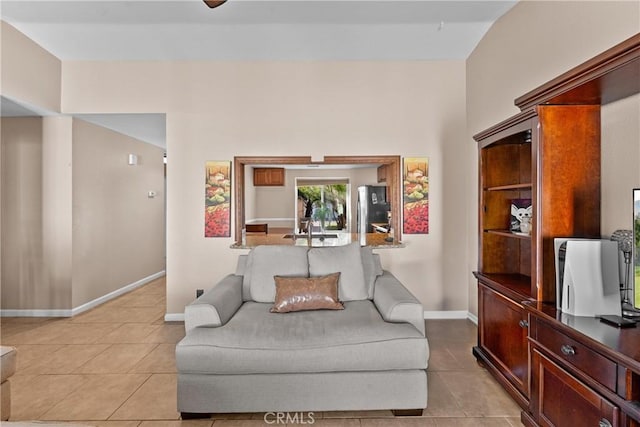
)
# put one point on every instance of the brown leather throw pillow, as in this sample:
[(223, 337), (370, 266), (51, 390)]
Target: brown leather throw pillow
[(306, 293)]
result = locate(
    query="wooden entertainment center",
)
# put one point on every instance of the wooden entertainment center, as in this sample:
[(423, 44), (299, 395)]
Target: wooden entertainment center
[(562, 370)]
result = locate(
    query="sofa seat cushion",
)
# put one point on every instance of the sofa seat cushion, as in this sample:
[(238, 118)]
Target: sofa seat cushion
[(257, 341)]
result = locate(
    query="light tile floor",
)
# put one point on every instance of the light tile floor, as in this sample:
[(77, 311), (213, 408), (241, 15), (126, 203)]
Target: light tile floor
[(114, 366)]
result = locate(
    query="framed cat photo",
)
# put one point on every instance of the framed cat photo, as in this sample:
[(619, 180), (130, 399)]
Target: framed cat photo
[(520, 216)]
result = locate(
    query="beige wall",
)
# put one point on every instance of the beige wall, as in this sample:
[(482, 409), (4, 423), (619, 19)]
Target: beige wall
[(31, 75), (531, 44), (57, 212), (59, 248), (620, 163), (76, 220), (22, 212), (295, 108), (36, 220), (28, 72), (118, 231)]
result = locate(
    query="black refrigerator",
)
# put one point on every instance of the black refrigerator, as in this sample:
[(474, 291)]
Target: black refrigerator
[(372, 209)]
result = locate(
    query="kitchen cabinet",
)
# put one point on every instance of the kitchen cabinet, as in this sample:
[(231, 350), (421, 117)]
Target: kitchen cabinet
[(264, 177)]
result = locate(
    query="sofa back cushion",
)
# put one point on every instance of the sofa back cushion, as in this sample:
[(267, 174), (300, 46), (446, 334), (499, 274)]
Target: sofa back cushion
[(346, 260), (372, 268), (265, 262), (241, 268)]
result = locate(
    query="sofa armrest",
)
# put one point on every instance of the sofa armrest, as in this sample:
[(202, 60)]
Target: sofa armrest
[(216, 306), (395, 303)]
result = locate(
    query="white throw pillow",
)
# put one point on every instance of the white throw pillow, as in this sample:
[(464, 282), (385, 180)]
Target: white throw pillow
[(265, 262), (347, 261)]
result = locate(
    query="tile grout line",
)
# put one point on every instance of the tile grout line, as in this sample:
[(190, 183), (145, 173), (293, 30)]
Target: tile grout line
[(129, 397), (130, 371), (84, 381)]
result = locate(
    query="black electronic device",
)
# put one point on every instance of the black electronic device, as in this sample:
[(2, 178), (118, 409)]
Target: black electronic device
[(618, 321)]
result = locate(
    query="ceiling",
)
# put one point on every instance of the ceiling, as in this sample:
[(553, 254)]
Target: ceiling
[(256, 29), (150, 128), (11, 108), (246, 30)]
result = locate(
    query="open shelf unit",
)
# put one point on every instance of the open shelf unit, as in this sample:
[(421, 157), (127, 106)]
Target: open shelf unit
[(549, 153), (505, 175)]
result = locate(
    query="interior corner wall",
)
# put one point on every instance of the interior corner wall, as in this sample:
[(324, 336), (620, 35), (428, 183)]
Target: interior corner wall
[(28, 72), (531, 44), (32, 279), (72, 209), (21, 209), (57, 212), (118, 230)]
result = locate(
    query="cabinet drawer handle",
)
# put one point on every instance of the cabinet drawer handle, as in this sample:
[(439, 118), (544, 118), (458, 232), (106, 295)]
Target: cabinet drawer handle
[(604, 423), (567, 350), (523, 324)]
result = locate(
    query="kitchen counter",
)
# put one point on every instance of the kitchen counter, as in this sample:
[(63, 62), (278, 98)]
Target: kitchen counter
[(375, 240)]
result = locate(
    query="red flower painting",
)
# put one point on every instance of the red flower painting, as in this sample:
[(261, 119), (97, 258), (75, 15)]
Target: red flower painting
[(416, 196), (217, 190)]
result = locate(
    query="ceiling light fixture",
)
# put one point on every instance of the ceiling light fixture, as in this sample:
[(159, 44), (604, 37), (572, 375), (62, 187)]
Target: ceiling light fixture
[(214, 3)]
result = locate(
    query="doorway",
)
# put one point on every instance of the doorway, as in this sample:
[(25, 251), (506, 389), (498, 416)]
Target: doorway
[(322, 203)]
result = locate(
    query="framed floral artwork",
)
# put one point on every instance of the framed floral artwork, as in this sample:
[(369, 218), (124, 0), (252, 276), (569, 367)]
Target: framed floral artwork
[(415, 195), (217, 199)]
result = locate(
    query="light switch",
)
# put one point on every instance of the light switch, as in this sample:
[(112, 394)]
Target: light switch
[(151, 194)]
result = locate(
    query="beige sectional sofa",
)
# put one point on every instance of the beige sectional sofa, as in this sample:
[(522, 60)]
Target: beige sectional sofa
[(7, 369), (239, 356)]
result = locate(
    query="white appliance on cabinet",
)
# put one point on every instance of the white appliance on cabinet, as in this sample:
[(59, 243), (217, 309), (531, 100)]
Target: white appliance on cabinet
[(587, 277)]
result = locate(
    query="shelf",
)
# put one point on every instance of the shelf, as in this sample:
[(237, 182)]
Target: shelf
[(507, 233), (511, 187), (516, 286)]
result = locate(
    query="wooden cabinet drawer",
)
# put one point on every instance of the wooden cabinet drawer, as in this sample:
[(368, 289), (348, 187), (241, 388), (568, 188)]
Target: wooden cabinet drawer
[(559, 399), (586, 360)]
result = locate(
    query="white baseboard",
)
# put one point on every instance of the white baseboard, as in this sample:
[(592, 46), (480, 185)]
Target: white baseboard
[(36, 313), (84, 307), (473, 318), (128, 288), (174, 317), (460, 314)]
